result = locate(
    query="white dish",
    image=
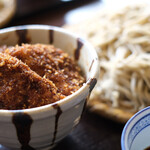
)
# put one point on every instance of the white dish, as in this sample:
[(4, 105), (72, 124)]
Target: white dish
[(136, 133)]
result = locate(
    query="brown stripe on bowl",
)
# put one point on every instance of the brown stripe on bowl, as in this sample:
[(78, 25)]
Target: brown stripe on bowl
[(77, 50), (91, 65), (92, 82), (22, 123), (23, 36), (51, 36)]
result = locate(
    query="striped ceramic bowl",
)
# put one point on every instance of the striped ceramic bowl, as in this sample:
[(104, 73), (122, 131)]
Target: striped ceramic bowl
[(42, 127)]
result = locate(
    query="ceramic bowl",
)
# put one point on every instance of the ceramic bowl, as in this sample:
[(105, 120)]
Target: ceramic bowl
[(136, 133), (44, 126)]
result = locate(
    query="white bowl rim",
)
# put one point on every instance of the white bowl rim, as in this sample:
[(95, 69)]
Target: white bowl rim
[(68, 98), (128, 124)]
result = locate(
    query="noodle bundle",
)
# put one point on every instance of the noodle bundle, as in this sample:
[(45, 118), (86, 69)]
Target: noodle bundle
[(122, 41)]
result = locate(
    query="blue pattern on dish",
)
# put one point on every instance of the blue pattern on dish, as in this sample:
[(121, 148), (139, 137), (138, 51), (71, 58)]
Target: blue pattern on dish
[(139, 125)]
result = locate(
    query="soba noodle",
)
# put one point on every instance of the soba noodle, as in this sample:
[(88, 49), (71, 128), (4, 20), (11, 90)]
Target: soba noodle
[(122, 41)]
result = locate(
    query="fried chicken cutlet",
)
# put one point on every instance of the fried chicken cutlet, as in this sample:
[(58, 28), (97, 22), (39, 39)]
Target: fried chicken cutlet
[(50, 63), (22, 88)]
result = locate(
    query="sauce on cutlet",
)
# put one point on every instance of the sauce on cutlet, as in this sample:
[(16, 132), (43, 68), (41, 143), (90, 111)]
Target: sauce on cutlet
[(33, 75)]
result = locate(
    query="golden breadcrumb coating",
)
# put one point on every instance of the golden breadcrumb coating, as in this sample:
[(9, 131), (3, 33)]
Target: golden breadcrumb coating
[(21, 88), (36, 75), (50, 63)]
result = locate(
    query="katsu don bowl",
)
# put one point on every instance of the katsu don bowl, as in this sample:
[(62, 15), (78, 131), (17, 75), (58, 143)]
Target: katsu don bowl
[(46, 77)]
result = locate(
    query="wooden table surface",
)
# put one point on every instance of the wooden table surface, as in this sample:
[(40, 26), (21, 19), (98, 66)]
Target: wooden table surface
[(93, 132)]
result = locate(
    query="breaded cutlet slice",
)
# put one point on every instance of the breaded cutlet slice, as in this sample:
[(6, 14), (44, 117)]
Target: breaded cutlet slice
[(22, 88), (50, 63)]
